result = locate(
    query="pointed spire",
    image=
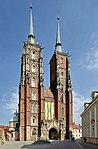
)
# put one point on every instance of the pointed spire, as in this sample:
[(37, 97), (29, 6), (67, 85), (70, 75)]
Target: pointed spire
[(58, 46), (31, 37)]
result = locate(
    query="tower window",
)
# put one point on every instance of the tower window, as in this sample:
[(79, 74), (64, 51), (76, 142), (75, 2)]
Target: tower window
[(62, 111), (33, 55), (34, 109), (33, 68), (62, 100), (33, 120), (61, 60), (33, 82), (33, 96), (34, 52), (61, 87), (62, 74)]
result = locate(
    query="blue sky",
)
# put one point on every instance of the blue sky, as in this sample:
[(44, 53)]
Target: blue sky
[(79, 37)]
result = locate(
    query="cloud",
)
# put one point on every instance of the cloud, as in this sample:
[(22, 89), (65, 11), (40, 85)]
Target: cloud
[(90, 60), (10, 101), (78, 106)]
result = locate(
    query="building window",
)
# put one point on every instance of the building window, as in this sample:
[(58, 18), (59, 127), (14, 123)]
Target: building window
[(61, 60), (34, 96), (62, 74), (62, 99), (33, 55), (61, 87), (33, 82), (93, 130), (62, 111), (93, 114), (33, 120), (34, 131), (34, 109), (33, 68)]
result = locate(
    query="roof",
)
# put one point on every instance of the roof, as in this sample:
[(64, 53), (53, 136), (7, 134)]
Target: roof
[(6, 128), (48, 93), (14, 119), (90, 105), (75, 126)]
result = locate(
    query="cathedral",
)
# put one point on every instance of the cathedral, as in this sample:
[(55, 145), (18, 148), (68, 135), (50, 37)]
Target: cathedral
[(44, 113)]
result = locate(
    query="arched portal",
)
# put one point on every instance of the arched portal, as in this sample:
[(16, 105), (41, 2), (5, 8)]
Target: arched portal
[(53, 134)]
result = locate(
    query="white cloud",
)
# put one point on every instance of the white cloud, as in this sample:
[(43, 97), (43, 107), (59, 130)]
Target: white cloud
[(10, 102), (78, 106), (90, 60)]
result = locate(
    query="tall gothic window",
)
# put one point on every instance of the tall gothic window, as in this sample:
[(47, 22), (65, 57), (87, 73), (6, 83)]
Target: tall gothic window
[(62, 98), (34, 96), (62, 74), (33, 109), (33, 54), (33, 68), (61, 87), (62, 111), (61, 60), (33, 82)]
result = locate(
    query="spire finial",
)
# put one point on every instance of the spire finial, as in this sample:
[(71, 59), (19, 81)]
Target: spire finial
[(58, 46), (31, 37)]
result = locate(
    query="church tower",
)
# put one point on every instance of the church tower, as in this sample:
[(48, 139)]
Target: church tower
[(44, 114), (31, 88), (60, 83)]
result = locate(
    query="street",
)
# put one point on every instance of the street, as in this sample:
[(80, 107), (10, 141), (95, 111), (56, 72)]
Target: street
[(67, 144)]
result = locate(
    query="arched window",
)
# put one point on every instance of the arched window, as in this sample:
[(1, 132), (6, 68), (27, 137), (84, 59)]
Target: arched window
[(33, 55), (33, 82), (62, 74), (34, 95), (61, 60), (61, 87), (62, 111), (33, 68), (34, 109), (62, 99), (34, 131)]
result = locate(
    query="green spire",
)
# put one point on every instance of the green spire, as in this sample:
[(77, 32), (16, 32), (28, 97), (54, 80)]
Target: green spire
[(31, 37), (58, 46)]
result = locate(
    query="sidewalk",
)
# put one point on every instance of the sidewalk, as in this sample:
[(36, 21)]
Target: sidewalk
[(14, 144)]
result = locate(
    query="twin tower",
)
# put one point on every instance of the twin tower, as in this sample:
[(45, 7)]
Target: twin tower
[(44, 113)]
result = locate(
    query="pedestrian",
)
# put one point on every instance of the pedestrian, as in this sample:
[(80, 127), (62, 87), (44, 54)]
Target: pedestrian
[(84, 139)]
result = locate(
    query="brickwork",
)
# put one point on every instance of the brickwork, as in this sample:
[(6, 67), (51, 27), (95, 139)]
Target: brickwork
[(38, 108)]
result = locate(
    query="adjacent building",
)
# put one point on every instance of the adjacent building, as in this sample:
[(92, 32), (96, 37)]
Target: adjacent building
[(76, 131), (44, 113), (3, 134), (90, 119), (13, 134)]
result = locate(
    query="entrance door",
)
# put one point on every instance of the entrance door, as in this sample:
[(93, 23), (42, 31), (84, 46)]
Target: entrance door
[(53, 134)]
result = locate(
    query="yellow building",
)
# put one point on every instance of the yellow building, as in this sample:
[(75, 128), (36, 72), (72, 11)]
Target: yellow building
[(90, 119)]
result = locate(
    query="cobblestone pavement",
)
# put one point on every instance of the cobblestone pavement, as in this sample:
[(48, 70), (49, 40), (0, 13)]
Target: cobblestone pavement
[(67, 144)]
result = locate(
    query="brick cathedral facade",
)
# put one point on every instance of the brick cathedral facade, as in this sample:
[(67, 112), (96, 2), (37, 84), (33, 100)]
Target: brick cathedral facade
[(44, 113)]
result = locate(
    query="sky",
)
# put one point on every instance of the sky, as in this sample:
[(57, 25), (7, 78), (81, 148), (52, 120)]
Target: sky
[(79, 37)]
